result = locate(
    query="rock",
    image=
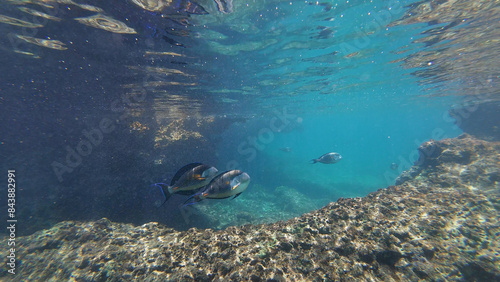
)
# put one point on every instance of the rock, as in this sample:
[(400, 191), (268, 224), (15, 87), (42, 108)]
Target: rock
[(388, 257), (294, 201), (479, 119), (428, 251), (408, 175), (423, 269), (462, 163), (478, 271), (419, 229)]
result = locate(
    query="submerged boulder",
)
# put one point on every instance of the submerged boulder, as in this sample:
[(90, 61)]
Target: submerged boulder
[(293, 201), (480, 119), (463, 163)]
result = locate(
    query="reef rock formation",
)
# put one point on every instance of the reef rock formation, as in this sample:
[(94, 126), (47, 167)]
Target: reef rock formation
[(463, 163), (440, 223), (479, 118)]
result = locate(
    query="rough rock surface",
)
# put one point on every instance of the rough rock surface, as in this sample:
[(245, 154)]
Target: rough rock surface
[(440, 223), (479, 118)]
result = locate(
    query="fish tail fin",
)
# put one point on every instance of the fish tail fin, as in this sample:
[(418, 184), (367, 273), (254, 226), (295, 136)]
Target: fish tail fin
[(313, 161), (193, 199), (165, 194)]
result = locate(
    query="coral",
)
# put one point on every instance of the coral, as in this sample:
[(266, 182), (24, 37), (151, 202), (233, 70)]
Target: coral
[(440, 223)]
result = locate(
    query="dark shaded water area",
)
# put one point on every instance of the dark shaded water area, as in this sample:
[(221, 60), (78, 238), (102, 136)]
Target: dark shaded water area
[(101, 100)]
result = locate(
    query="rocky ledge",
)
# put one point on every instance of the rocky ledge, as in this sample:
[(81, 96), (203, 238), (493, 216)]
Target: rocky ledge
[(441, 222)]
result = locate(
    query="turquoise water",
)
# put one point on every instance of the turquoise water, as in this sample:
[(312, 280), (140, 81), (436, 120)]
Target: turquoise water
[(330, 71), (370, 80), (368, 140)]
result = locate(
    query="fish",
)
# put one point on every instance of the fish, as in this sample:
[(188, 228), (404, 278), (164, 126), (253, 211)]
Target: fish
[(325, 33), (172, 42), (228, 184), (286, 149), (187, 181), (327, 6), (178, 63), (394, 166), (328, 158)]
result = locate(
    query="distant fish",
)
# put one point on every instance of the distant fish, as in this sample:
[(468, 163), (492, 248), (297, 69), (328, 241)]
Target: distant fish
[(326, 32), (187, 181), (172, 42), (329, 158), (225, 185), (286, 149), (327, 6), (394, 166), (178, 63)]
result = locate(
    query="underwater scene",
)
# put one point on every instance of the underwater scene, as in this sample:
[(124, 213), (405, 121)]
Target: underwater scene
[(261, 140)]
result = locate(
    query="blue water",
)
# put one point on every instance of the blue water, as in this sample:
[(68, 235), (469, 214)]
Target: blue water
[(234, 88), (369, 142)]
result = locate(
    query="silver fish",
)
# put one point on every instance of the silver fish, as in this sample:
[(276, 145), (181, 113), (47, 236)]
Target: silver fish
[(328, 158), (187, 181), (228, 184)]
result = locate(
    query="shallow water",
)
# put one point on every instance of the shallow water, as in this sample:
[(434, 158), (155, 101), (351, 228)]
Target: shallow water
[(96, 110)]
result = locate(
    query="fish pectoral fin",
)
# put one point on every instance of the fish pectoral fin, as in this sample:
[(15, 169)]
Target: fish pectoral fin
[(236, 196)]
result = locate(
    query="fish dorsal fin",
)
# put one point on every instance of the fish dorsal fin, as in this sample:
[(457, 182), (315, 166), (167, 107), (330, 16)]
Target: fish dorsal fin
[(183, 170)]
